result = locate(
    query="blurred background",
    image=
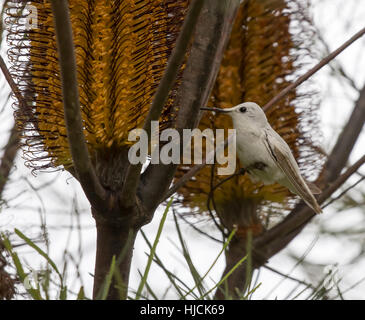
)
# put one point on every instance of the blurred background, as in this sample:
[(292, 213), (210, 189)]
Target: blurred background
[(51, 209)]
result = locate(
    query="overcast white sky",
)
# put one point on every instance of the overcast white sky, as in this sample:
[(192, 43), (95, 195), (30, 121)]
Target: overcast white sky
[(27, 209)]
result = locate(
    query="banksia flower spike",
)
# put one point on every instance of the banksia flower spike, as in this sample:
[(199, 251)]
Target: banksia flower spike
[(121, 48)]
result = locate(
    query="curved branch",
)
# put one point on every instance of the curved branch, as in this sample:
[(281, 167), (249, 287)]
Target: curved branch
[(84, 169), (346, 141), (279, 236)]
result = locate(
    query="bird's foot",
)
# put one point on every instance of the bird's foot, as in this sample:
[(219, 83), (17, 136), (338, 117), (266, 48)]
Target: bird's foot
[(242, 171)]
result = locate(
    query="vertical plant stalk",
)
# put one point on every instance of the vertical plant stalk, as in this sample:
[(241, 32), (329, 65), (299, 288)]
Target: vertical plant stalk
[(112, 236), (113, 240), (7, 161), (210, 38), (237, 250), (83, 167), (169, 77)]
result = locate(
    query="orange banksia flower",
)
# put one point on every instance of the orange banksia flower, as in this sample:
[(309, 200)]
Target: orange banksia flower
[(122, 47)]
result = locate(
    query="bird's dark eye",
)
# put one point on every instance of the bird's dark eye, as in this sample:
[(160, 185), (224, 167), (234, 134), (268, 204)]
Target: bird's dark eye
[(243, 109)]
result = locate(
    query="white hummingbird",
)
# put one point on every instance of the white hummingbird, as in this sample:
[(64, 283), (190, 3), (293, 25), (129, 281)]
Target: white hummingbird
[(265, 155)]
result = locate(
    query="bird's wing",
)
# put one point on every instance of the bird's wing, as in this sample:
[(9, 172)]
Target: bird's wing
[(281, 154)]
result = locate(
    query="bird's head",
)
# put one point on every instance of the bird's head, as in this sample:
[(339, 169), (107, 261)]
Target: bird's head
[(247, 113)]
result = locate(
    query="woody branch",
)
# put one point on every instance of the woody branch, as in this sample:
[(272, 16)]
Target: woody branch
[(210, 38), (169, 77), (80, 155)]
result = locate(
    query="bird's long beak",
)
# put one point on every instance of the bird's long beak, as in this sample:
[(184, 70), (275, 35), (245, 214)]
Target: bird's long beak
[(216, 109)]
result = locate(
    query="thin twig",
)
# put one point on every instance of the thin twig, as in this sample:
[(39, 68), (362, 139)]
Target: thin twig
[(12, 84), (211, 196), (335, 68), (194, 170), (288, 276), (181, 216), (312, 71), (184, 179), (84, 169), (12, 146), (298, 262), (211, 199), (352, 286), (341, 180), (343, 192)]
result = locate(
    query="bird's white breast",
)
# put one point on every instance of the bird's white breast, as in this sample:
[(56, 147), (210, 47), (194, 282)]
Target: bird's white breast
[(251, 149)]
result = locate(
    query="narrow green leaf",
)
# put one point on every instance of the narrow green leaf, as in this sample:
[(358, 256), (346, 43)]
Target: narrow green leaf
[(35, 293), (248, 262), (194, 272), (225, 277), (216, 259), (149, 289), (251, 292), (40, 251), (81, 294), (153, 250), (63, 293), (108, 280), (119, 283), (168, 273)]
